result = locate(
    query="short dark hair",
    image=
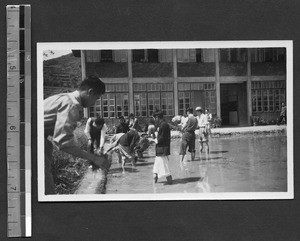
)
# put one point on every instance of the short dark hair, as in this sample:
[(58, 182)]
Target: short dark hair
[(152, 121), (99, 121), (93, 82), (189, 109), (160, 114)]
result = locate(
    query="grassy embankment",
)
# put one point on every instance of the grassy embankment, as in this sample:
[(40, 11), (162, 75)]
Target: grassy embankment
[(68, 170)]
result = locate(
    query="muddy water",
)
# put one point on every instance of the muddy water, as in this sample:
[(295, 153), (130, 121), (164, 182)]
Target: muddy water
[(235, 164)]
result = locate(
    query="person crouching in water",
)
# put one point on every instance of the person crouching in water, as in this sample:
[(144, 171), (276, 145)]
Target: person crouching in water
[(126, 144), (122, 127), (95, 130), (203, 129), (161, 163)]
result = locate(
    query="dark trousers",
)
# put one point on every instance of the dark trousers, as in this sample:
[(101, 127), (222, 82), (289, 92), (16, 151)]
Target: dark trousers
[(95, 144)]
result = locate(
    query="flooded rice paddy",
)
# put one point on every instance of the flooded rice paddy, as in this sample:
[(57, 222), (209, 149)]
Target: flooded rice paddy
[(235, 164)]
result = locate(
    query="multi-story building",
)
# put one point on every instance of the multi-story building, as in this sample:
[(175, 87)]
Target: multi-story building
[(234, 84)]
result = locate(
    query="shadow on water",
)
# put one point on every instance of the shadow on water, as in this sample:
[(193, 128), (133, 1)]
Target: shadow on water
[(217, 158), (120, 170), (183, 180), (217, 152), (146, 157), (144, 164)]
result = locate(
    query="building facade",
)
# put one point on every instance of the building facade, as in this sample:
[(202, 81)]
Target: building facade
[(234, 84)]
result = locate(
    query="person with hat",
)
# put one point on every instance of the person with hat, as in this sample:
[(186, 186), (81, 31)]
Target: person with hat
[(203, 129), (188, 138), (162, 149), (122, 127)]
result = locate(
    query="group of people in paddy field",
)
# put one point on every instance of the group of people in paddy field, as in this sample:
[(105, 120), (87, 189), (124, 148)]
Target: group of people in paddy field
[(125, 142), (61, 114)]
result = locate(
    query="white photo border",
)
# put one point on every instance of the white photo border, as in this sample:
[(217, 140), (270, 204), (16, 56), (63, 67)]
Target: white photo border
[(288, 44)]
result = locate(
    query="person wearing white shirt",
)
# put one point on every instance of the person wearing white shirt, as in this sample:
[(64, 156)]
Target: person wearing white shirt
[(95, 130), (209, 119), (61, 115), (203, 131)]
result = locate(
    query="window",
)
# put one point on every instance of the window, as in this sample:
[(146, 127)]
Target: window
[(267, 96), (271, 100), (279, 98), (234, 55), (197, 86), (265, 100), (254, 101), (122, 105), (185, 100), (106, 56), (167, 87), (184, 86), (167, 103), (210, 101), (138, 55), (224, 55), (199, 57), (92, 56), (108, 101), (114, 103), (209, 86), (153, 87), (259, 101), (268, 55), (153, 102), (140, 104), (139, 87), (148, 98), (95, 110), (189, 93), (152, 55)]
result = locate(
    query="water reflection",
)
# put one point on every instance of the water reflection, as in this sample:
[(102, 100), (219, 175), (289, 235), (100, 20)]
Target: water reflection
[(203, 183)]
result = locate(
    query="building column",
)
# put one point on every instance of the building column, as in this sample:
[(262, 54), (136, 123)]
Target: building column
[(83, 76), (130, 81), (249, 94), (218, 89), (175, 90)]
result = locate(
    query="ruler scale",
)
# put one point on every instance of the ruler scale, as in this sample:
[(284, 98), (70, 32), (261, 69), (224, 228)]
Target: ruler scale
[(18, 120)]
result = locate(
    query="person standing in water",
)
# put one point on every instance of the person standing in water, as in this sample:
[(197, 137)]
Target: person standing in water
[(188, 137), (203, 130), (282, 114), (162, 149), (209, 120)]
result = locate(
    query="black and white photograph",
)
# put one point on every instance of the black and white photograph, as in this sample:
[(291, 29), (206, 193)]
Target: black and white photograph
[(206, 120)]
